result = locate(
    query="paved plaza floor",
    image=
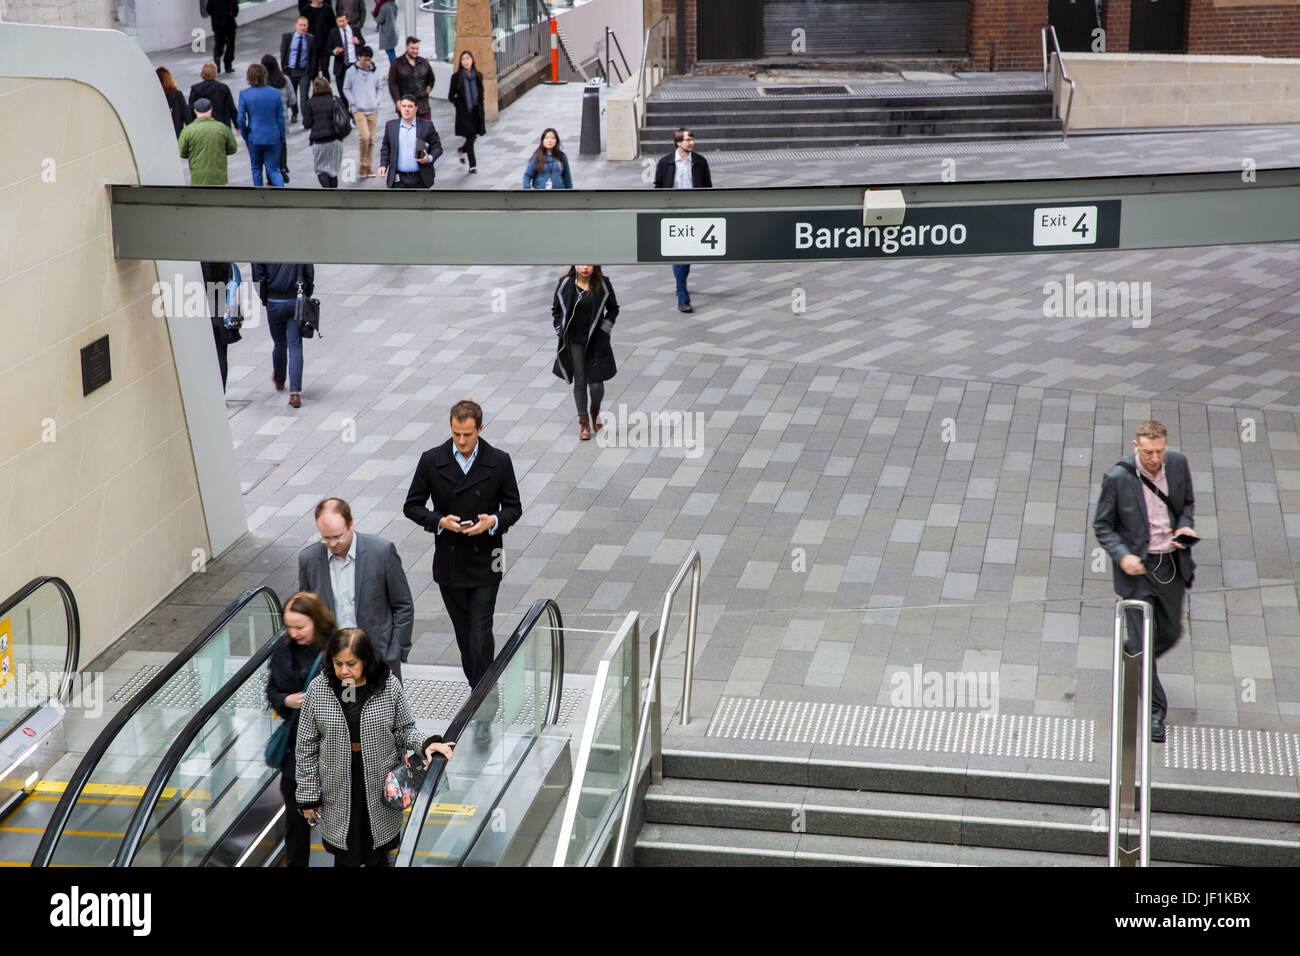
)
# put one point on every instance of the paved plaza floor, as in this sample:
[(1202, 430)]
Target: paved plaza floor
[(898, 461)]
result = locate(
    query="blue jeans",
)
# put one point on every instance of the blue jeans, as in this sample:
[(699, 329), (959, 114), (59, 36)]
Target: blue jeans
[(266, 155), (392, 54), (284, 333), (680, 273)]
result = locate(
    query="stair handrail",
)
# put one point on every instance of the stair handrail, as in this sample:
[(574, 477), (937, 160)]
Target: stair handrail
[(643, 88), (611, 67), (650, 710), (1065, 77)]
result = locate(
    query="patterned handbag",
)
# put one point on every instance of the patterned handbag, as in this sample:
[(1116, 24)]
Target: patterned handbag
[(404, 781)]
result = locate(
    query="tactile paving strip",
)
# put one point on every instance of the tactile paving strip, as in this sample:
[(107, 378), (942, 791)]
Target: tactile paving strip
[(886, 152), (900, 728), (443, 699), (1233, 750)]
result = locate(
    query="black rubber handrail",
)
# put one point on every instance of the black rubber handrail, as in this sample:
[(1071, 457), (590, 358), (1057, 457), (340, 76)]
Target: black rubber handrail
[(73, 658), (144, 810), (420, 806), (81, 776)]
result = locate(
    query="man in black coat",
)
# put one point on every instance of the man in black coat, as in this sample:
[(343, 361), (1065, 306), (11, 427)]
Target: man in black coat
[(217, 94), (409, 147), (297, 59), (223, 14), (683, 168), (342, 43), (1140, 531), (475, 501), (412, 75)]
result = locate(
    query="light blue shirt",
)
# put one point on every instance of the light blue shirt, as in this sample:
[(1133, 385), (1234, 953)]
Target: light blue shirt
[(343, 577), (299, 52), (682, 179), (465, 465), (406, 150)]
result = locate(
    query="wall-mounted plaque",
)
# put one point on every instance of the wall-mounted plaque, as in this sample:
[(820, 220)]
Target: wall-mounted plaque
[(96, 370)]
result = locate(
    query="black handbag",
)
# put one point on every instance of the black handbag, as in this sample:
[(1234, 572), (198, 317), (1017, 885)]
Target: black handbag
[(277, 745), (306, 312)]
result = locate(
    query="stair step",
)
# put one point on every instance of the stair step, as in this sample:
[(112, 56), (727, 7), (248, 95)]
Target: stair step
[(764, 104), (718, 134), (961, 820), (706, 118), (670, 845)]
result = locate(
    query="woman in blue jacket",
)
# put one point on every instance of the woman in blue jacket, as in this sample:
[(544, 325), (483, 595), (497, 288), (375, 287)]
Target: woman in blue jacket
[(548, 165), (261, 123)]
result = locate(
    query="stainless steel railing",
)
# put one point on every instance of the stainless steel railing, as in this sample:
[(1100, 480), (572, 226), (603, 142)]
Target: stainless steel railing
[(654, 56), (1128, 794), (1059, 66)]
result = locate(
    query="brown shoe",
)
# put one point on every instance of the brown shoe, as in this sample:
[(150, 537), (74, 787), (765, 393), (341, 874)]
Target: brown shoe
[(596, 423), (294, 400), (366, 172), (584, 427), (279, 386)]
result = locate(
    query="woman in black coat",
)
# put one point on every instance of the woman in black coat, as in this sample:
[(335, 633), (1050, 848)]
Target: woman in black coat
[(180, 110), (309, 624), (466, 95), (583, 313)]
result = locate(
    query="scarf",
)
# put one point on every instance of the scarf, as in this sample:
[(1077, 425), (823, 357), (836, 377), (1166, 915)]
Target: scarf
[(467, 84), (378, 4)]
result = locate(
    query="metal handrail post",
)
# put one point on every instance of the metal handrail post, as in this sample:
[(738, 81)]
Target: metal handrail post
[(1120, 733), (693, 613)]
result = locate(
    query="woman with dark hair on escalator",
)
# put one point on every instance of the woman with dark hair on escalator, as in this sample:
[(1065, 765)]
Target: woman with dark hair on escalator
[(354, 717), (308, 626)]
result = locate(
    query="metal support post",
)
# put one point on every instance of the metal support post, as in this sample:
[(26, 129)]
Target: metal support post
[(1130, 741)]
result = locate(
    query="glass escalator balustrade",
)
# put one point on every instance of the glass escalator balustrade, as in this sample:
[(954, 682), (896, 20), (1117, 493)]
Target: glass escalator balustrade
[(35, 636), (204, 784)]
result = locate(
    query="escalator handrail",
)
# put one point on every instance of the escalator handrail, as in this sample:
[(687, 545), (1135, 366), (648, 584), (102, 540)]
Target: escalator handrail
[(144, 810), (81, 776), (420, 805), (72, 659)]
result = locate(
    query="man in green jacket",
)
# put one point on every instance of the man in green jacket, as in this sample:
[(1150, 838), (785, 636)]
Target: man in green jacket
[(206, 144)]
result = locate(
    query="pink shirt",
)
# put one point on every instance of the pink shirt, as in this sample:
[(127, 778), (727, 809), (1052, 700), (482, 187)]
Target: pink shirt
[(1158, 517)]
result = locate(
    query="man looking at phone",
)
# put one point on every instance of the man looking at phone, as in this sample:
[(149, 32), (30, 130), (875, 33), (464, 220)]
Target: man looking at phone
[(1144, 520), (409, 148), (475, 501)]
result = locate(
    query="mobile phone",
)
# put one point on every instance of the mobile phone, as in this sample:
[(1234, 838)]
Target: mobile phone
[(468, 522), (1186, 540)]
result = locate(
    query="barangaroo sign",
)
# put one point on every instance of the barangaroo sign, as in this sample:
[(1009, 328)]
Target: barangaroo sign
[(987, 229)]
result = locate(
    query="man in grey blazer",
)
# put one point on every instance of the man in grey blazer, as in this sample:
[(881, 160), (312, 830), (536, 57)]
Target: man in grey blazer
[(360, 578), (1140, 531)]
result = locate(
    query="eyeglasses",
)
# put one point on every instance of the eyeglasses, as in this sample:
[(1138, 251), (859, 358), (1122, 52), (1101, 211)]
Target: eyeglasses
[(333, 538)]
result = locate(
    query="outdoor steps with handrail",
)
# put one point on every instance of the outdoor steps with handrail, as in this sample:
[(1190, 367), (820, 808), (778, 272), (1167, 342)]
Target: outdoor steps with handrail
[(772, 122), (716, 808)]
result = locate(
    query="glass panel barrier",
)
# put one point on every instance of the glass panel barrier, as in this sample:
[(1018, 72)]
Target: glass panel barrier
[(219, 777), (96, 822), (38, 649), (494, 733), (603, 759)]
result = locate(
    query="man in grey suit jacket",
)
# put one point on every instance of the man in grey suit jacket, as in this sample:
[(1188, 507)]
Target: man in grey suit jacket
[(360, 578), (1140, 532)]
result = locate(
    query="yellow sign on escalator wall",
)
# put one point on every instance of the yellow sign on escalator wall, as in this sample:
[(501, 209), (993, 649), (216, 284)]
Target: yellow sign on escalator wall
[(6, 652)]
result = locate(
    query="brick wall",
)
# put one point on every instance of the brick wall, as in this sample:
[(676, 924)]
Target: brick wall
[(1005, 34), (689, 26), (1236, 27), (1115, 21)]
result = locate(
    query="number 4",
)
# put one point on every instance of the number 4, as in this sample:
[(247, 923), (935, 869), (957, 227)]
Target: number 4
[(708, 239), (1080, 227)]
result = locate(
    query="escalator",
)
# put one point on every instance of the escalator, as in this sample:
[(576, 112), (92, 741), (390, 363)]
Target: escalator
[(171, 773)]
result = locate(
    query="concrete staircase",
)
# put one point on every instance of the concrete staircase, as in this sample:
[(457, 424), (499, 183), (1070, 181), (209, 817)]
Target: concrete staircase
[(717, 809), (782, 120)]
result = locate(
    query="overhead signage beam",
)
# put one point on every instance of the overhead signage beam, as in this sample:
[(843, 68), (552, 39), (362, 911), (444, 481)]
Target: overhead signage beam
[(717, 225)]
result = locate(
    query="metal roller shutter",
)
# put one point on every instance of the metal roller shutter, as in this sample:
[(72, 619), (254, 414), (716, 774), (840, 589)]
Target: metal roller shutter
[(887, 27)]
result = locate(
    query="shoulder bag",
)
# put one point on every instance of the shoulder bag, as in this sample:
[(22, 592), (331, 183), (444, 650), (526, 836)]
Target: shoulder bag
[(306, 311), (278, 743)]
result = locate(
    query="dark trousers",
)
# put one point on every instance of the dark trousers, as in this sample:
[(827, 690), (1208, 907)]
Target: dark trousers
[(287, 339), (222, 338), (407, 181), (1166, 597), (297, 831), (468, 150), (471, 618), (223, 41), (301, 80), (338, 88), (581, 387), (680, 273)]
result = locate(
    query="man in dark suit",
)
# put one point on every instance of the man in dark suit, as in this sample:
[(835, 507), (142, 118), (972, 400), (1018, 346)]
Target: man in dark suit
[(1140, 530), (343, 43), (475, 501), (408, 150), (683, 168), (297, 56), (360, 579), (222, 14)]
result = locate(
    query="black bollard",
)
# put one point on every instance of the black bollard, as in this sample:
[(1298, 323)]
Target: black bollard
[(589, 145)]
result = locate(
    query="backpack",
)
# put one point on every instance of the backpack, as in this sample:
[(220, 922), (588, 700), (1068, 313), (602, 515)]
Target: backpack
[(233, 318), (342, 121)]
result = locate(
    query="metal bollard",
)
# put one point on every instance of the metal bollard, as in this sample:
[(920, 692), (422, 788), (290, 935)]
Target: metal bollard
[(590, 143)]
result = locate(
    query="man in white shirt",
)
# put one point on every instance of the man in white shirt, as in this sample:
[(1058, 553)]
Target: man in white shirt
[(343, 42), (683, 168), (360, 579)]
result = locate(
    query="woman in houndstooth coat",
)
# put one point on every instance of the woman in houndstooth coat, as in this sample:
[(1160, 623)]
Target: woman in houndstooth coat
[(353, 719)]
